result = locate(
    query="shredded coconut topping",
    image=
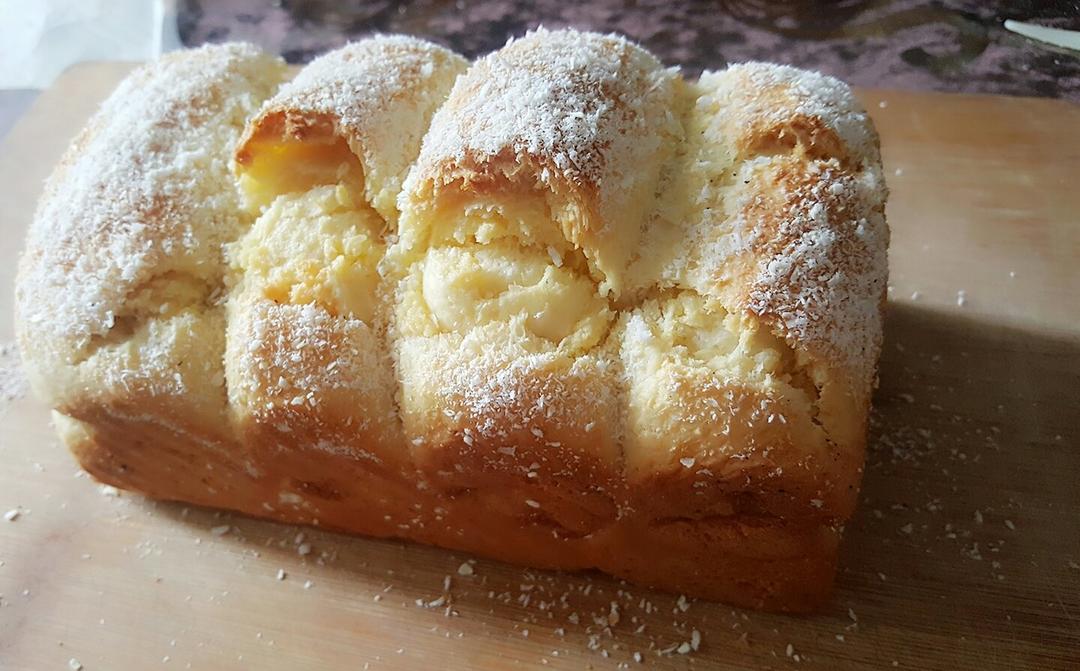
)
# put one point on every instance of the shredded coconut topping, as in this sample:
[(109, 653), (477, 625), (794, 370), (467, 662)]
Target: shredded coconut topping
[(821, 270), (369, 91), (777, 213), (776, 94), (355, 85), (585, 106), (144, 192), (785, 213)]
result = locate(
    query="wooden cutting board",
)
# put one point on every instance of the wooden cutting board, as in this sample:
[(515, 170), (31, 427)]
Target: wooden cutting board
[(965, 553)]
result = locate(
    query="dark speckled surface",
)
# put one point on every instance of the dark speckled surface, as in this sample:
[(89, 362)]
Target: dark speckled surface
[(950, 45)]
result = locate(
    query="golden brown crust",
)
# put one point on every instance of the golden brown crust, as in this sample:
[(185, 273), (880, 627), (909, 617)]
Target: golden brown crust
[(377, 94), (126, 243), (524, 428), (333, 393), (562, 135), (757, 562), (303, 374), (582, 117), (612, 319)]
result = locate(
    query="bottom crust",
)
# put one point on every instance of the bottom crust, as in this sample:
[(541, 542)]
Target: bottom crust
[(757, 562)]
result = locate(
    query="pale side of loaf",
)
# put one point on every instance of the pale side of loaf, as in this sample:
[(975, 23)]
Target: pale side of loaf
[(561, 306)]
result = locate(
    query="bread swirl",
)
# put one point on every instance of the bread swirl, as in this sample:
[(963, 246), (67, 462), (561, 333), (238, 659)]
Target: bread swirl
[(560, 306)]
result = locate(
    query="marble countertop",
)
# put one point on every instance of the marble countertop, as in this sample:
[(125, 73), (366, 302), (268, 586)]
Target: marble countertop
[(944, 45), (948, 45)]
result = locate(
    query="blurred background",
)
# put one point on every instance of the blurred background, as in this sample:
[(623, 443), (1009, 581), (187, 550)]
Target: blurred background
[(948, 45)]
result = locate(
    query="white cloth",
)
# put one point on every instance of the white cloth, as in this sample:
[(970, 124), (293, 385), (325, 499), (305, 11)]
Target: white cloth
[(39, 39)]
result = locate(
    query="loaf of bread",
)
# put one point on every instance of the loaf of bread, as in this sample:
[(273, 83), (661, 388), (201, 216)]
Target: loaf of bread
[(561, 306)]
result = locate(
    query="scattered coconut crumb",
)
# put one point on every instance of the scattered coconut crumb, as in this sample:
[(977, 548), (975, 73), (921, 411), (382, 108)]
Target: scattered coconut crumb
[(281, 574), (220, 530), (12, 515), (109, 491), (74, 664), (13, 382), (465, 569), (961, 298)]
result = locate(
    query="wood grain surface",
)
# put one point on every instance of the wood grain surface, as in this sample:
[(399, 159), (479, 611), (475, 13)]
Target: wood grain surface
[(965, 553)]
